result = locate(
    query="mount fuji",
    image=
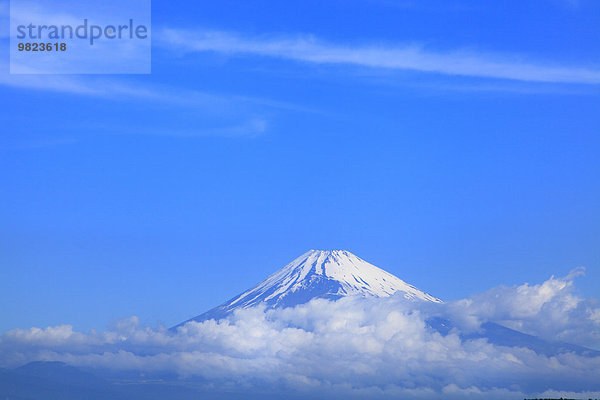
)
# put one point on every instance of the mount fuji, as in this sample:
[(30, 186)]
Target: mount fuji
[(326, 274), (333, 274)]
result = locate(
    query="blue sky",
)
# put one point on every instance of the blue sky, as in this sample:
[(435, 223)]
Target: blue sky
[(454, 144)]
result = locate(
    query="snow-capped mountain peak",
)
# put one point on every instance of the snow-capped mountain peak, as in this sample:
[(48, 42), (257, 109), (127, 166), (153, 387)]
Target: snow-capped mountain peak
[(329, 274), (352, 274)]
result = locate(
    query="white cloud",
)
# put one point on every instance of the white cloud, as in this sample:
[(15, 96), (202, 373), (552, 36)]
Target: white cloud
[(550, 310), (367, 348), (222, 115), (214, 115), (400, 57)]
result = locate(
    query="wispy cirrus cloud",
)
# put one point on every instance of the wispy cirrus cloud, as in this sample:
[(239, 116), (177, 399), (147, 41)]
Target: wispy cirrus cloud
[(123, 89), (214, 114), (309, 49)]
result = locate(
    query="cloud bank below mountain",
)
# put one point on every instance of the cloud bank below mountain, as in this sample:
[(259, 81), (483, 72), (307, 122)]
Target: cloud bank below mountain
[(368, 348)]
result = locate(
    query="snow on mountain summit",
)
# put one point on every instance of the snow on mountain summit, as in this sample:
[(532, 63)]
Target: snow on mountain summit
[(351, 274), (329, 274)]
